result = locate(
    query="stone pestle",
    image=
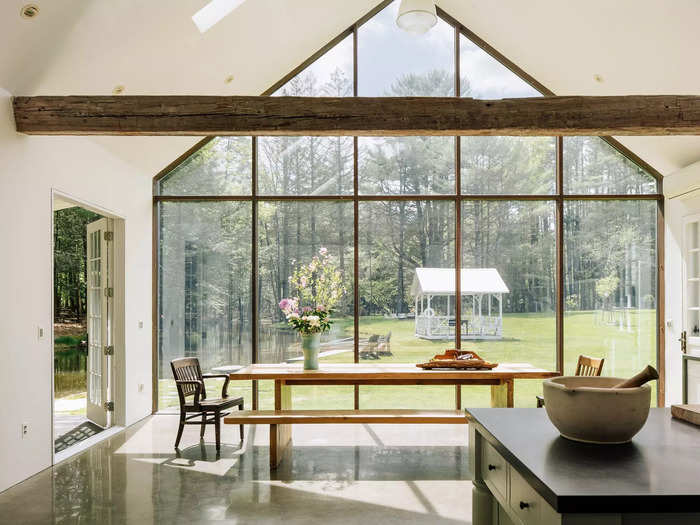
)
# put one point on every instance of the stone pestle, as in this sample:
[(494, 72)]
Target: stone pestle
[(648, 374)]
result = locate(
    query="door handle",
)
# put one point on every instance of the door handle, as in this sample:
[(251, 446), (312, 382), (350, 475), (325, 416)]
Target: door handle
[(684, 341)]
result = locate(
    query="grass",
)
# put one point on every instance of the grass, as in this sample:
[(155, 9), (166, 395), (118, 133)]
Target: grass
[(69, 340), (527, 338)]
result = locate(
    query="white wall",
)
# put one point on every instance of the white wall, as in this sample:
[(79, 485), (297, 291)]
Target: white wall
[(30, 167), (683, 189)]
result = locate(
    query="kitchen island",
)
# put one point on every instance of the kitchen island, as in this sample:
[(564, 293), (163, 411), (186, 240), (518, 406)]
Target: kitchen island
[(525, 473)]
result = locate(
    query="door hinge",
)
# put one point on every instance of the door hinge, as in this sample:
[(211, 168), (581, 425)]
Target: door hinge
[(109, 292), (109, 350), (109, 236), (684, 341), (109, 406)]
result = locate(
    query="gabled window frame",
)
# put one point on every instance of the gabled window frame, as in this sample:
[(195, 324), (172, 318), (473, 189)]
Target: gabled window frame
[(559, 197)]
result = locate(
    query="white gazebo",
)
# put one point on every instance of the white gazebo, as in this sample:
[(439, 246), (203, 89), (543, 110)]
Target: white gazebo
[(434, 292)]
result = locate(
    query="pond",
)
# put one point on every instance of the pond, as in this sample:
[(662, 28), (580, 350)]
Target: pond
[(70, 359), (279, 344), (70, 370)]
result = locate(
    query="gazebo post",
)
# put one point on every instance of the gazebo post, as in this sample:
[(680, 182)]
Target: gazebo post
[(429, 331), (415, 323), (500, 313)]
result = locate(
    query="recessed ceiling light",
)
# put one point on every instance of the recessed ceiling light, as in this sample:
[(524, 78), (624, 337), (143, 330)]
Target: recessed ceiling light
[(118, 90), (228, 79), (597, 78), (29, 11)]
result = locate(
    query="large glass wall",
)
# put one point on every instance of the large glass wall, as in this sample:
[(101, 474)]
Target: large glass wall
[(396, 215), (610, 284), (204, 294)]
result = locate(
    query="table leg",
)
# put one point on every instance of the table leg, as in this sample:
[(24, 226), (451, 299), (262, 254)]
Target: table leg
[(502, 395), (280, 435)]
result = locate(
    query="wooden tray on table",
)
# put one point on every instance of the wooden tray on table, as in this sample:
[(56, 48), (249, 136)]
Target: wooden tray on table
[(457, 360)]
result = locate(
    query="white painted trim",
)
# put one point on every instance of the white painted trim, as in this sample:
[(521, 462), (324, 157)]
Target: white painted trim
[(119, 323), (64, 195), (693, 192), (86, 444)]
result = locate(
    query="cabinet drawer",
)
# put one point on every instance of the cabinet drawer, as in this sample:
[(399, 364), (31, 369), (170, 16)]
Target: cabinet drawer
[(494, 470), (527, 505)]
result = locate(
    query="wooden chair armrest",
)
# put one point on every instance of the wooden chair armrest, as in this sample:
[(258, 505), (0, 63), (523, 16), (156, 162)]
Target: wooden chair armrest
[(225, 377)]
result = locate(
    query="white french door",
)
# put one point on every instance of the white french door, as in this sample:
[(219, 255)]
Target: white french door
[(99, 320), (690, 334)]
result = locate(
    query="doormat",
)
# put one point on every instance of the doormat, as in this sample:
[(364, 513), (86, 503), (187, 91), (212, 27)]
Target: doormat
[(78, 434)]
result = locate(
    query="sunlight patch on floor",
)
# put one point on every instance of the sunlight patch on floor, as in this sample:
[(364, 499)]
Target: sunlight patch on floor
[(441, 498)]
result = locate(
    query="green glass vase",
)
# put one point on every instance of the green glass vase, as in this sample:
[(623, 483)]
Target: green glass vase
[(310, 345)]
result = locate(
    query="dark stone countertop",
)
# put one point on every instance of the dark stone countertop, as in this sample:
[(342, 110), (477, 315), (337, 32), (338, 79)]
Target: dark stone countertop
[(659, 471)]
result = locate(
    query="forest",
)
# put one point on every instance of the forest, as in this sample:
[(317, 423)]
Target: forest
[(70, 269), (205, 248)]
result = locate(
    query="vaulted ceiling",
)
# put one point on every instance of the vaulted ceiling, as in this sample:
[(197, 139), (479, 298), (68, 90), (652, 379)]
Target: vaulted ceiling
[(79, 47)]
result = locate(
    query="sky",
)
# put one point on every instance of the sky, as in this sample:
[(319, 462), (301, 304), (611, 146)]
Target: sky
[(386, 53)]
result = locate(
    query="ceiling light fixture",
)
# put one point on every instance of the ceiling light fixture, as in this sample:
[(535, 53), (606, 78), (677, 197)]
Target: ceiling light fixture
[(212, 13), (416, 16), (29, 11)]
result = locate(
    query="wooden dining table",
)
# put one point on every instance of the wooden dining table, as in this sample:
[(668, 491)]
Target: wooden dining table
[(501, 379), (285, 376)]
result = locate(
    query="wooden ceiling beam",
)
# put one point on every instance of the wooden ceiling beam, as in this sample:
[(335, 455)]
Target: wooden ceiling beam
[(361, 116)]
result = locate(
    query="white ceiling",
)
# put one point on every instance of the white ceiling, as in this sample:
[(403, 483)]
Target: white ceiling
[(82, 47)]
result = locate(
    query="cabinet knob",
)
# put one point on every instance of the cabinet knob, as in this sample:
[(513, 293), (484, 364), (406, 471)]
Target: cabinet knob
[(524, 505), (492, 467)]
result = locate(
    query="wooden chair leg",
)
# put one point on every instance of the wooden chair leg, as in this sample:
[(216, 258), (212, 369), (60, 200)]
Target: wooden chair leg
[(240, 407), (204, 422), (217, 429), (180, 429)]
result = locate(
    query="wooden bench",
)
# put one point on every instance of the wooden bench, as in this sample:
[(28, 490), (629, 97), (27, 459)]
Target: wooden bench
[(280, 431)]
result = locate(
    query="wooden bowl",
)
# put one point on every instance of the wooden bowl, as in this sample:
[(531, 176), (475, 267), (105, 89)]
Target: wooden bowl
[(586, 408)]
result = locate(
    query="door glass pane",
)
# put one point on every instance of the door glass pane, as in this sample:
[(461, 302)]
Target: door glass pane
[(291, 236), (509, 245), (95, 319), (204, 290), (398, 240), (393, 62), (610, 287), (591, 165)]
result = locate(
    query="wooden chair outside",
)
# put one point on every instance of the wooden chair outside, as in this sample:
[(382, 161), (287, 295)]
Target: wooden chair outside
[(189, 381), (586, 366), (589, 366)]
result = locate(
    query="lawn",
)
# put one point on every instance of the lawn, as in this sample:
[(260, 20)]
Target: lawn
[(527, 338)]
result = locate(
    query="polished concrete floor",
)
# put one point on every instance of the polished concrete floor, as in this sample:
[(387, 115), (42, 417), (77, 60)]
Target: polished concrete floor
[(393, 474)]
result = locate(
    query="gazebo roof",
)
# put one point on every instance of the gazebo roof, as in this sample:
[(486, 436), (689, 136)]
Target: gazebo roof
[(441, 281)]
